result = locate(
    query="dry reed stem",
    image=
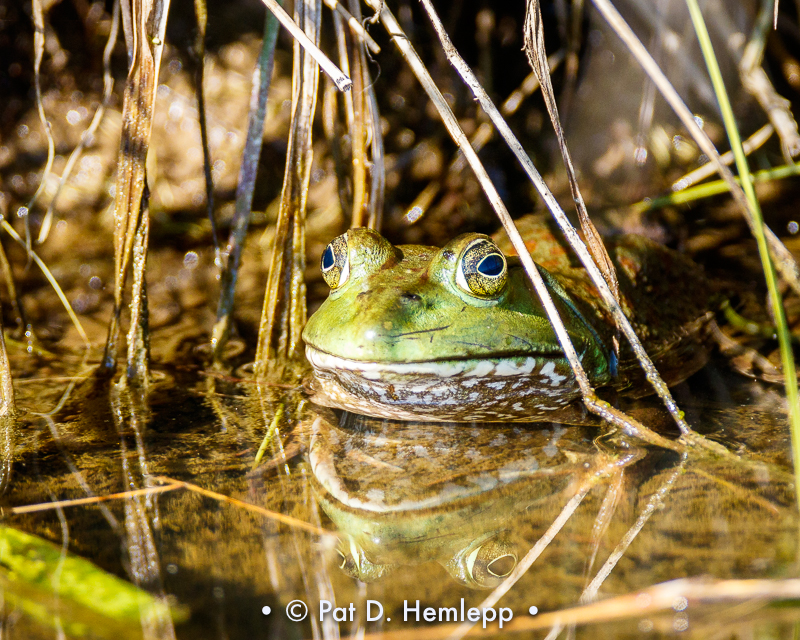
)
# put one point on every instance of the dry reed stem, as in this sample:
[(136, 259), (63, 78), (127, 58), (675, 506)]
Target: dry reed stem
[(756, 82), (38, 53), (355, 25), (784, 261), (342, 82), (87, 137), (259, 91), (537, 57), (79, 502), (51, 279), (272, 515), (284, 313), (592, 402), (755, 141), (460, 138), (144, 33)]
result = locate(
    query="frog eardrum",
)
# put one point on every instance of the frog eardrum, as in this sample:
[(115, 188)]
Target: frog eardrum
[(482, 269), (335, 265)]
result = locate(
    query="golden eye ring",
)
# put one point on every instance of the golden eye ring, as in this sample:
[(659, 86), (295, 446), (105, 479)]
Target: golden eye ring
[(334, 264), (482, 269)]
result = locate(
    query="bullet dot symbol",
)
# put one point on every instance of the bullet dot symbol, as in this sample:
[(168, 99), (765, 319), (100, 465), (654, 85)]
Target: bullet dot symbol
[(388, 619), (533, 610), (266, 610)]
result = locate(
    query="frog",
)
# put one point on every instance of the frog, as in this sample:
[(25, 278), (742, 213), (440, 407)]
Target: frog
[(457, 333)]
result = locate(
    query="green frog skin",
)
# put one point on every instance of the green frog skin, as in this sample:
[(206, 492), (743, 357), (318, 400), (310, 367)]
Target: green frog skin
[(457, 334)]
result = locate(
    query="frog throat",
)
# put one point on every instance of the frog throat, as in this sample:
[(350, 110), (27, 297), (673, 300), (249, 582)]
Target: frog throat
[(487, 389)]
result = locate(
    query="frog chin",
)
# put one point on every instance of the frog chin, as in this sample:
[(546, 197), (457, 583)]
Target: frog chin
[(520, 388)]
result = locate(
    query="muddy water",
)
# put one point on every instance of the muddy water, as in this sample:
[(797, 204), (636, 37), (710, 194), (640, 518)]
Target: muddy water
[(395, 513)]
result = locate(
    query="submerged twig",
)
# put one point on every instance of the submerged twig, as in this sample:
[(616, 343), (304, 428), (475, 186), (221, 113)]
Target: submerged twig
[(79, 502), (272, 515)]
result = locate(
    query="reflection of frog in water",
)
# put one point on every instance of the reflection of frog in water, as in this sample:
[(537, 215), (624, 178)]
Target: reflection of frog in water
[(401, 494), (457, 334), (475, 500)]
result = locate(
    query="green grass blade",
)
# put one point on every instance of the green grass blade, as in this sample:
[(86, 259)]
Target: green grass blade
[(776, 304)]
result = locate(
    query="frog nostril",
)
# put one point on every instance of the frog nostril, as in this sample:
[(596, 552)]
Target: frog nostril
[(410, 297)]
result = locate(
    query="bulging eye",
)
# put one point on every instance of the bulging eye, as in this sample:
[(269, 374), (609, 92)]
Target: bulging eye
[(482, 269), (335, 265), (489, 563)]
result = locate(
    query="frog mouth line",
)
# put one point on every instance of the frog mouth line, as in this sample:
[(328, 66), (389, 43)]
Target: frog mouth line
[(544, 364)]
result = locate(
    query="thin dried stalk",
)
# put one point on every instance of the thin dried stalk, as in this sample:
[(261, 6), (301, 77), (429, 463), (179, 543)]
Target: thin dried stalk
[(372, 128), (38, 52), (344, 60), (262, 77), (51, 279), (756, 81), (79, 502), (458, 135), (342, 82), (138, 360), (590, 399), (201, 14), (284, 313), (147, 26), (358, 139), (219, 497), (755, 141), (87, 137), (355, 26), (784, 260), (537, 57)]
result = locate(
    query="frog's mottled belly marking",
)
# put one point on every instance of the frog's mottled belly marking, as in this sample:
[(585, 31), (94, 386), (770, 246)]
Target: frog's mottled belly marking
[(525, 388)]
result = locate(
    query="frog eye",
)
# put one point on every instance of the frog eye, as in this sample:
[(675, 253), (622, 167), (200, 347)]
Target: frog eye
[(335, 265), (482, 269), (490, 563)]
